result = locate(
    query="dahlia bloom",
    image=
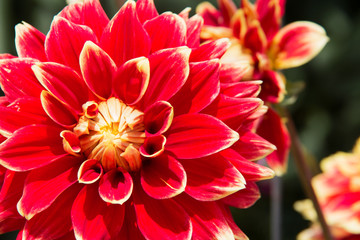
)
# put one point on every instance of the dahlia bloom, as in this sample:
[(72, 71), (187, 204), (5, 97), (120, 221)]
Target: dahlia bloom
[(113, 129), (256, 38), (338, 191)]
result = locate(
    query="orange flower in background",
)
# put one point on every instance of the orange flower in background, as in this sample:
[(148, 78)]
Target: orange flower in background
[(338, 191), (113, 129), (258, 38)]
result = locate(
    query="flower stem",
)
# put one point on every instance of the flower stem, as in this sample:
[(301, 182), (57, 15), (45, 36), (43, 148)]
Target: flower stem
[(305, 174), (276, 203)]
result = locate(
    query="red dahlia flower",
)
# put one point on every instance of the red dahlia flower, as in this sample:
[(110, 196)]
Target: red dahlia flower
[(338, 191), (116, 129), (256, 38)]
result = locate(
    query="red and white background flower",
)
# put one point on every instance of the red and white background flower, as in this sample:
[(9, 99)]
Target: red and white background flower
[(258, 39), (338, 191), (112, 129)]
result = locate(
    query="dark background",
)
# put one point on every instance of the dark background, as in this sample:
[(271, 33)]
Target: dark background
[(326, 113)]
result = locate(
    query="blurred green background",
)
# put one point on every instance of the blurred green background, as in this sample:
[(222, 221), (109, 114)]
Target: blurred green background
[(326, 113)]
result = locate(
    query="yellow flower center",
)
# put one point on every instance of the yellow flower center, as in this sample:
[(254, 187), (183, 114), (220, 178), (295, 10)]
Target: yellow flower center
[(112, 133)]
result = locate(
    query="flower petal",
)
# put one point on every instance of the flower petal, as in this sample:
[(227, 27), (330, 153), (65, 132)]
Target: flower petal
[(57, 111), (153, 146), (270, 14), (90, 171), (198, 135), (116, 186), (124, 38), (92, 218), (10, 194), (64, 83), (17, 79), (233, 111), (194, 25), (255, 38), (244, 89), (210, 50), (44, 185), (212, 178), (96, 64), (201, 88), (55, 221), (65, 41), (250, 170), (207, 219), (228, 9), (161, 219), (273, 129), (233, 72), (163, 177), (297, 43), (131, 80), (158, 118), (209, 13), (253, 147), (31, 147), (13, 119), (29, 42), (244, 198), (169, 70), (130, 228), (89, 13), (146, 10), (172, 34), (273, 86)]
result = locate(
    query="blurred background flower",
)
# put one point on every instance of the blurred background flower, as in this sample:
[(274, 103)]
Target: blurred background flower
[(326, 113)]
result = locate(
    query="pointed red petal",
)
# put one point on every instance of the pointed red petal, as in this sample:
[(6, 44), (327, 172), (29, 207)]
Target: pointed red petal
[(13, 119), (297, 43), (250, 170), (201, 88), (57, 111), (239, 235), (158, 118), (244, 198), (146, 10), (273, 88), (245, 89), (169, 70), (96, 64), (207, 219), (131, 80), (210, 14), (10, 194), (253, 147), (55, 221), (29, 42), (198, 135), (130, 228), (64, 83), (124, 37), (210, 50), (194, 25), (31, 147), (172, 34), (6, 56), (233, 111), (233, 71), (273, 129), (163, 177), (17, 79), (92, 218), (212, 178), (270, 14), (228, 9), (255, 38), (116, 186), (89, 13), (161, 219), (44, 185), (65, 41)]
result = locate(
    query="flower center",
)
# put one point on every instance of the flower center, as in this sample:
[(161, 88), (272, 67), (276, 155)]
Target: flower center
[(112, 133)]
